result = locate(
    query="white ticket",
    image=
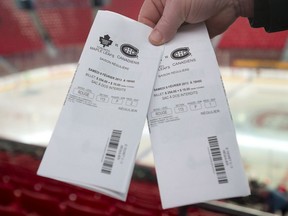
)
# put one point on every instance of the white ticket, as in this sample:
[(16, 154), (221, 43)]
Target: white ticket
[(96, 138), (192, 134)]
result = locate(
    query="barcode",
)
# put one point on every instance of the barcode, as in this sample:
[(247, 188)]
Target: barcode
[(217, 160), (111, 152)]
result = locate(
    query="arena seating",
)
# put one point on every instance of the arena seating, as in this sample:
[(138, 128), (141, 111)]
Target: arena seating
[(66, 22), (241, 36), (36, 38), (129, 8), (22, 192), (18, 33)]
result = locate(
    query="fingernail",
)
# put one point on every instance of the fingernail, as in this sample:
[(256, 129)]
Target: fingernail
[(156, 37)]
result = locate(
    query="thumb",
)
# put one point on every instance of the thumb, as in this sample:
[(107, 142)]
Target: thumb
[(172, 18)]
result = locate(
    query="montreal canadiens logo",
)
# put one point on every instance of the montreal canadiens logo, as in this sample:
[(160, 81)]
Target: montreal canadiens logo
[(180, 53), (129, 50)]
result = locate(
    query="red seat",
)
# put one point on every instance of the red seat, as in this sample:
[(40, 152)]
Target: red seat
[(99, 201), (144, 194), (11, 211), (124, 209), (144, 204), (66, 25), (4, 157), (54, 191), (129, 8), (75, 209), (42, 204), (12, 38), (25, 161), (22, 182), (6, 194), (241, 36), (195, 211)]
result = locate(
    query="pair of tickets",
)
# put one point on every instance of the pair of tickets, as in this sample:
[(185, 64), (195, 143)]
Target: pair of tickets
[(120, 80)]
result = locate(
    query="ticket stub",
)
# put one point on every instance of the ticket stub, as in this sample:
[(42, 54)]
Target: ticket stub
[(96, 138), (192, 134)]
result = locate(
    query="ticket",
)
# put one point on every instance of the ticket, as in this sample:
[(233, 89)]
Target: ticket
[(95, 141), (192, 134)]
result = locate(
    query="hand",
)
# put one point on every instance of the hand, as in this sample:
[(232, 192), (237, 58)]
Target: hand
[(166, 16)]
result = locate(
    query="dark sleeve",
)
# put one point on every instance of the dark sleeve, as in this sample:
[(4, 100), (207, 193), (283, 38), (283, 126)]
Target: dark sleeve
[(270, 14)]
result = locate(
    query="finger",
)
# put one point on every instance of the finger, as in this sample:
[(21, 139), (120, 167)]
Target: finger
[(172, 18), (150, 12)]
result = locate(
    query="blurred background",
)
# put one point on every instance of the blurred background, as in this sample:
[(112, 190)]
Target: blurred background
[(40, 45)]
